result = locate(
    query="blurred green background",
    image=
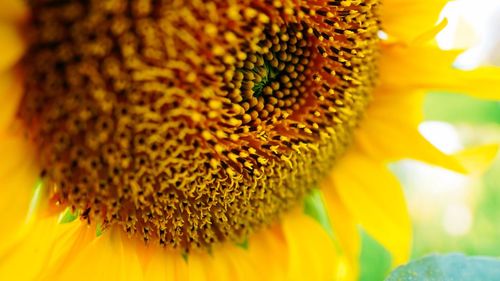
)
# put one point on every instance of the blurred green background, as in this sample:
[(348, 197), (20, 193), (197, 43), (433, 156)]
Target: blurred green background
[(450, 212)]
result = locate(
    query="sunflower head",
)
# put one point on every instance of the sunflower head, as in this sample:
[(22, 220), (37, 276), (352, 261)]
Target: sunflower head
[(190, 123)]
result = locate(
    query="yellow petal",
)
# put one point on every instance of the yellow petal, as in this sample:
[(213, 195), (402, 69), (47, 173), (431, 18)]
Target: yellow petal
[(312, 254), (389, 130), (197, 267), (16, 152), (11, 91), (18, 175), (264, 242), (431, 34), (375, 198), (346, 231), (216, 269), (477, 159), (157, 267), (162, 264), (225, 262), (107, 257), (28, 258), (425, 67), (11, 45), (407, 19), (13, 10), (237, 261)]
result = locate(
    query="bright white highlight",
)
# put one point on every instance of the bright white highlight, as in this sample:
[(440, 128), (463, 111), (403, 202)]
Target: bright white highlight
[(457, 219), (472, 24), (442, 135), (382, 35)]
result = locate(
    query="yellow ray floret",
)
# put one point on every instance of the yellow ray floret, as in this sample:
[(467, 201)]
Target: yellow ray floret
[(375, 199), (406, 20), (426, 67)]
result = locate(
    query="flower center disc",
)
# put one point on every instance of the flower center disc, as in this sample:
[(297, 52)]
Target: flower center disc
[(189, 123)]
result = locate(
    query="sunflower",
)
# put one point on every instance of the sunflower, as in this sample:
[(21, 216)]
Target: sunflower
[(217, 140)]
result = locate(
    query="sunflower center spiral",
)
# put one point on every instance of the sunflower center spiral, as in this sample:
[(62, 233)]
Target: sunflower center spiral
[(269, 82), (188, 123)]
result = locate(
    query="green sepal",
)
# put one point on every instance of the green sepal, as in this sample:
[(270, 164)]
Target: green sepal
[(185, 256), (35, 199), (244, 244), (67, 216), (98, 230)]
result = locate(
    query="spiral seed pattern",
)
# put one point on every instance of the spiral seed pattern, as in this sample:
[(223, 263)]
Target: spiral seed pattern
[(188, 123)]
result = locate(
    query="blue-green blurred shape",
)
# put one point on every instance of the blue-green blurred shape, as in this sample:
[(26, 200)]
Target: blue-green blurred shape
[(453, 267)]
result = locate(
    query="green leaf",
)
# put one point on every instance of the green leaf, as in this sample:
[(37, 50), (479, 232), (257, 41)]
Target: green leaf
[(453, 267), (315, 208), (460, 108), (375, 259)]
